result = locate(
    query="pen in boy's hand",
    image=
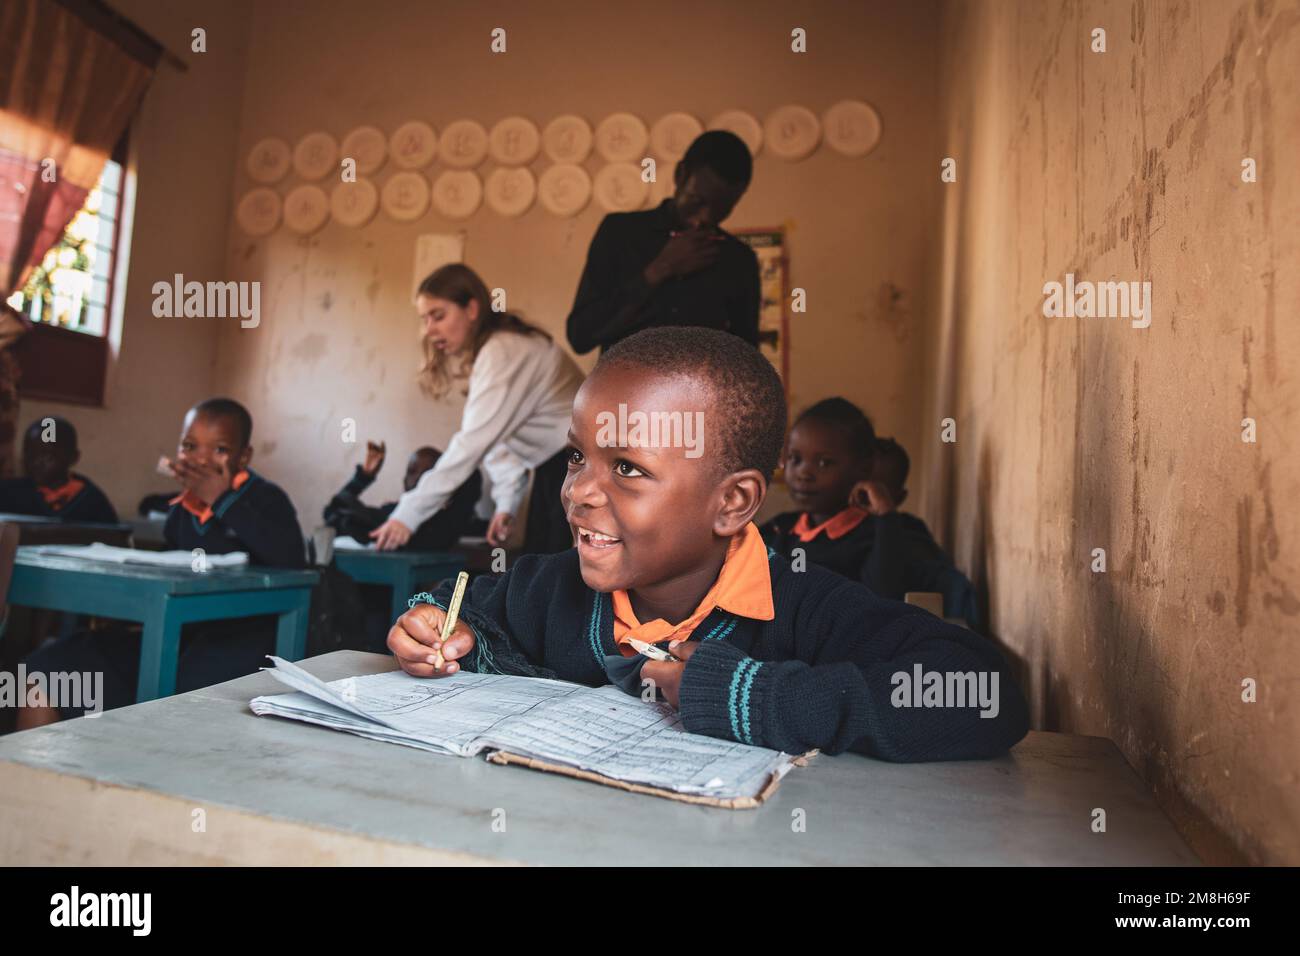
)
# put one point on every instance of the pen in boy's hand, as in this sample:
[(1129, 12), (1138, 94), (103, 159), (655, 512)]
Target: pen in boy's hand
[(453, 612), (652, 652)]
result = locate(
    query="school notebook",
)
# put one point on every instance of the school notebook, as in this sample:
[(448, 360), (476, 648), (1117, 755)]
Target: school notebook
[(595, 733)]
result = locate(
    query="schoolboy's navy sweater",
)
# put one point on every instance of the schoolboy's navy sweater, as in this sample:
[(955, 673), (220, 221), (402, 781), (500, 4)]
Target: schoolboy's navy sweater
[(891, 553), (21, 496), (819, 675), (256, 517)]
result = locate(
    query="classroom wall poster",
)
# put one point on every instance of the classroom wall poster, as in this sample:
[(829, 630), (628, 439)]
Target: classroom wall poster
[(773, 321)]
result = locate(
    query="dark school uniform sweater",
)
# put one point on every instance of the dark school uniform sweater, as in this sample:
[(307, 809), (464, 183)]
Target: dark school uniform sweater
[(20, 496), (346, 514), (257, 517), (819, 675), (891, 554)]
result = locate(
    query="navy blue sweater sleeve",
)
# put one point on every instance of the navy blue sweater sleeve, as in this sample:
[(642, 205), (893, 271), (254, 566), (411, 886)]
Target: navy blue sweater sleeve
[(853, 679), (264, 521), (885, 569), (609, 300), (92, 505), (502, 611)]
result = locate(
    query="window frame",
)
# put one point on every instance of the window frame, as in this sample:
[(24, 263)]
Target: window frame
[(65, 365)]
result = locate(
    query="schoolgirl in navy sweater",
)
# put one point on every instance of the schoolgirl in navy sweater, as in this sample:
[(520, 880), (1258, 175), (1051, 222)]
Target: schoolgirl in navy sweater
[(667, 552)]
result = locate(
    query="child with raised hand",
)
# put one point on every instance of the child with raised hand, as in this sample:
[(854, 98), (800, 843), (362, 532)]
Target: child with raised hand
[(349, 516), (849, 520), (667, 552)]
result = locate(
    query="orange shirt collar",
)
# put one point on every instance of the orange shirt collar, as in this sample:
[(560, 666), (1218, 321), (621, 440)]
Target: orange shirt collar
[(199, 508), (57, 498), (835, 527), (743, 587)]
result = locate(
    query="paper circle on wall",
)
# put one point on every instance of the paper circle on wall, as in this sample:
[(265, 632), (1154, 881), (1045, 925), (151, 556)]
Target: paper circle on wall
[(354, 204), (405, 197), (315, 155), (306, 209), (413, 145), (621, 138), (743, 125), (510, 192), (368, 146), (567, 139), (673, 134), (564, 189), (269, 160), (851, 127), (258, 213), (457, 193), (620, 188), (514, 141), (792, 132), (463, 144)]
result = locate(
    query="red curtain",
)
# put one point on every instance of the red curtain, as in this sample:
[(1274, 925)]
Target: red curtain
[(67, 93)]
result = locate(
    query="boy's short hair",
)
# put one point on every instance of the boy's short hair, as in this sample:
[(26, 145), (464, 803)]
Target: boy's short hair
[(65, 433), (842, 413), (749, 410), (723, 152), (892, 465), (228, 408)]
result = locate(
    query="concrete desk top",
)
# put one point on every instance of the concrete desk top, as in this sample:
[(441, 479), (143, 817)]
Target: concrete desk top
[(197, 778)]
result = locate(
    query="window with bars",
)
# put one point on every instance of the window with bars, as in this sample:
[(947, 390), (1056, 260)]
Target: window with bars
[(69, 298), (70, 288)]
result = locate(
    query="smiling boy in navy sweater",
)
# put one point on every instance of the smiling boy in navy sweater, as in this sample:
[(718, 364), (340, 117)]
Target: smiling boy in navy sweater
[(664, 531)]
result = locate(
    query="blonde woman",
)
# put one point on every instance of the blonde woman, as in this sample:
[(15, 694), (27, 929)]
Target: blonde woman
[(521, 388)]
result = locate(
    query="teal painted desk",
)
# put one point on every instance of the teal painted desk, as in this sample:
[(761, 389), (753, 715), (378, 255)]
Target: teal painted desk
[(164, 600), (404, 572)]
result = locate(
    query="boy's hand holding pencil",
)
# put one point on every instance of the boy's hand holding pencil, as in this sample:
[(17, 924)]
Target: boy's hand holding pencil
[(424, 644), (667, 675)]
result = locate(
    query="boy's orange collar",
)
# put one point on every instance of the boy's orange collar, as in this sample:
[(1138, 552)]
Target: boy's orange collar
[(835, 527), (58, 498), (202, 510), (743, 587)]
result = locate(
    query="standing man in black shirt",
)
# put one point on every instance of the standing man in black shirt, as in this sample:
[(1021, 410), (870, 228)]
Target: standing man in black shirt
[(673, 265)]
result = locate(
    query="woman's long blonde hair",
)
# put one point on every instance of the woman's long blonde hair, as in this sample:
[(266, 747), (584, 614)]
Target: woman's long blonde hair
[(460, 284)]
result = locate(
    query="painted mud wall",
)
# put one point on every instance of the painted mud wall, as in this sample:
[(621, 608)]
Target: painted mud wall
[(1075, 434)]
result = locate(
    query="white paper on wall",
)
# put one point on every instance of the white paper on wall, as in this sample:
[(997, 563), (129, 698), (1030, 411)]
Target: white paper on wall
[(433, 250)]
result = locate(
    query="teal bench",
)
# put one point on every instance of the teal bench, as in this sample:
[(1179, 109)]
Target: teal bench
[(164, 600)]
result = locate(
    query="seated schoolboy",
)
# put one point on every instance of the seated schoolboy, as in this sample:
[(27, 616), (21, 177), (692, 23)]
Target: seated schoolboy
[(224, 506), (849, 520), (667, 551), (347, 515), (49, 487)]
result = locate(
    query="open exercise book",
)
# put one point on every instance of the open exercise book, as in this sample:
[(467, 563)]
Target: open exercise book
[(597, 733)]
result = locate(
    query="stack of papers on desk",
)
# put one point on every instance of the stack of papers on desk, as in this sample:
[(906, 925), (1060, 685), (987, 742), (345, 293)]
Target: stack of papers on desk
[(161, 559), (597, 733)]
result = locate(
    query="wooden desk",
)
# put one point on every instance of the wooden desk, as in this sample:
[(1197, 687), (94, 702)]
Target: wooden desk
[(122, 789), (163, 600), (403, 572)]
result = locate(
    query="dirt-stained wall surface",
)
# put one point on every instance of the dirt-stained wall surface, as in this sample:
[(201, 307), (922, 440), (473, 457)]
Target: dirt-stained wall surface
[(1123, 487)]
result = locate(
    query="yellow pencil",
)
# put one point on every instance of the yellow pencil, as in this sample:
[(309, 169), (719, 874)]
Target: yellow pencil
[(453, 612)]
